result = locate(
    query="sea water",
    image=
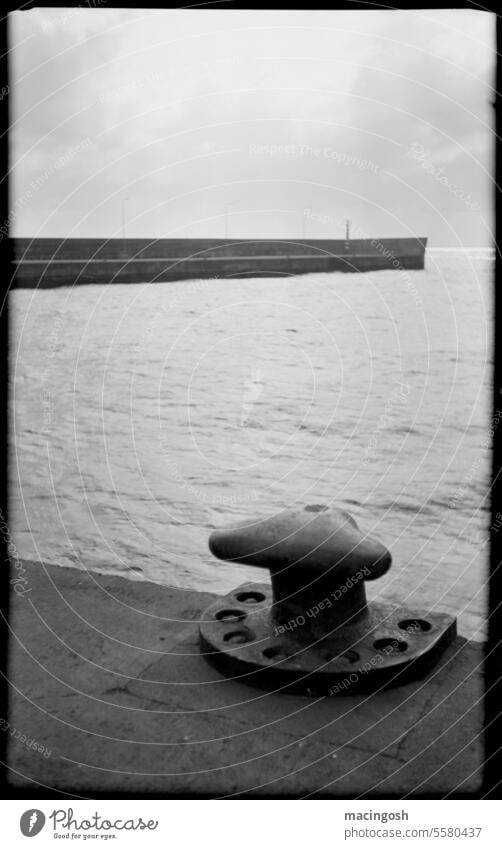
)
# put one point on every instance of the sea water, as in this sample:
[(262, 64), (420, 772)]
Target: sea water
[(143, 416)]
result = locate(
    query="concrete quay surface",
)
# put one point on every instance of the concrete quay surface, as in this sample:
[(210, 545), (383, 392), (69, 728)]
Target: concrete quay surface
[(106, 677)]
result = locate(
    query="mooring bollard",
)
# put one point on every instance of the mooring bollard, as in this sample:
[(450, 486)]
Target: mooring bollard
[(312, 630)]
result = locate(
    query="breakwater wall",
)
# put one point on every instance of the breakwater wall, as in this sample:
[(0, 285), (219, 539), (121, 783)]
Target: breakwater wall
[(46, 263)]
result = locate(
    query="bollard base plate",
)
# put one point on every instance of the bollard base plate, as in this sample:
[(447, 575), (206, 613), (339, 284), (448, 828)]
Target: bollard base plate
[(389, 647)]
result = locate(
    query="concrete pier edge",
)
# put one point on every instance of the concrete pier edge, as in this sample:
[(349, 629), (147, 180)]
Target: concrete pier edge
[(107, 679)]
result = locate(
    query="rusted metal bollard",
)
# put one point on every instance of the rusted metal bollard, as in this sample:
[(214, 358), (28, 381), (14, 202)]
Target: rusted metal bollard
[(312, 630)]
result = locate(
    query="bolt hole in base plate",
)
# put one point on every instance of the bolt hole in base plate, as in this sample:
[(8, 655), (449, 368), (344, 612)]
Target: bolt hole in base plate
[(390, 647)]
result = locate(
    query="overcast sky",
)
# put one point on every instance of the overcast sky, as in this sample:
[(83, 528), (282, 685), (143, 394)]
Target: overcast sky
[(291, 122)]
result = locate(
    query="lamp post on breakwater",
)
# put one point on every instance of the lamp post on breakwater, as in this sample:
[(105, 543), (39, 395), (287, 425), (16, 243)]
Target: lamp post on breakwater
[(347, 235)]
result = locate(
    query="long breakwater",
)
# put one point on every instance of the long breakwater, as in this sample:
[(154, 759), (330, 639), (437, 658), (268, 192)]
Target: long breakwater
[(48, 263)]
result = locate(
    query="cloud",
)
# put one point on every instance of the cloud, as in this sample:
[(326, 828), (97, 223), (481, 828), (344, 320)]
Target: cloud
[(172, 103)]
